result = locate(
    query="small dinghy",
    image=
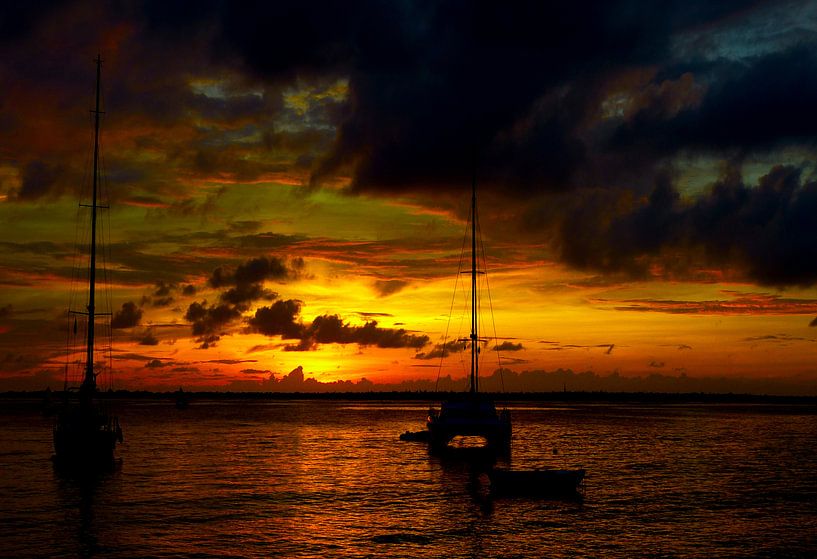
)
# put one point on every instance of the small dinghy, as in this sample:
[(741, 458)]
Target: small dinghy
[(418, 436)]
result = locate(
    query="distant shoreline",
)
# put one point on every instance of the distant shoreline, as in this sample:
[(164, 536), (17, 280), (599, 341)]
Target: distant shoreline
[(560, 396)]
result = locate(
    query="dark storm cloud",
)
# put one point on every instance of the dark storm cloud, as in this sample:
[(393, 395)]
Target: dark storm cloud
[(40, 179), (431, 84), (126, 317), (751, 105), (765, 232), (17, 18), (512, 85), (522, 88)]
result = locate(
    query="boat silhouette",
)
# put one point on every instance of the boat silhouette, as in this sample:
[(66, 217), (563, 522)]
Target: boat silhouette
[(472, 413), (85, 434), (182, 399)]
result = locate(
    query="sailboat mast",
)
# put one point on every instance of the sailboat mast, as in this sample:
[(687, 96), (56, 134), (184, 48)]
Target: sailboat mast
[(474, 332), (89, 382)]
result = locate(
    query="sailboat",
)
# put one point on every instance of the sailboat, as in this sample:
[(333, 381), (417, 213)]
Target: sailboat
[(85, 435), (473, 414)]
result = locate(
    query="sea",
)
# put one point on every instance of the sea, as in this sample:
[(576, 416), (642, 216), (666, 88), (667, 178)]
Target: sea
[(330, 478)]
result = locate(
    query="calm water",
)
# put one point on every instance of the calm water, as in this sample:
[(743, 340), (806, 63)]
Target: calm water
[(331, 479)]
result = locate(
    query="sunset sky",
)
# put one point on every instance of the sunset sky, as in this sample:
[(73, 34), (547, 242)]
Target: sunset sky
[(289, 187)]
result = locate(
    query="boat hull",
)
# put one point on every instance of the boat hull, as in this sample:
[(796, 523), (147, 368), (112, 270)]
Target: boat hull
[(85, 438), (468, 418)]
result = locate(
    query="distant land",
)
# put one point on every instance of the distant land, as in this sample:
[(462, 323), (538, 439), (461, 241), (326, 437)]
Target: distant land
[(499, 382)]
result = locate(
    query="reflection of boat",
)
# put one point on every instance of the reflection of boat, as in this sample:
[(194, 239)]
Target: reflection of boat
[(85, 435), (473, 413), (547, 482)]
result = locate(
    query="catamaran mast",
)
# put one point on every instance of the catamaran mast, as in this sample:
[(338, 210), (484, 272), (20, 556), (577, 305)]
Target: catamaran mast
[(474, 332), (89, 382)]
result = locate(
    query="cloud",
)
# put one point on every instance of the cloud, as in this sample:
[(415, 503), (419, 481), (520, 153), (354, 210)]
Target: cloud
[(252, 271), (331, 329), (231, 361), (209, 319), (582, 112), (774, 88), (443, 350), (558, 346), (740, 303), (782, 339), (242, 286), (164, 289), (148, 338), (279, 319), (384, 288), (508, 346), (126, 317), (39, 180), (245, 282), (157, 364), (409, 128), (207, 341), (162, 295), (256, 371)]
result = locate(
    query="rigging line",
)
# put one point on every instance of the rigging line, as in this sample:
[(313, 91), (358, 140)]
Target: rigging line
[(79, 232), (105, 235), (484, 265), (109, 289), (451, 311), (493, 318)]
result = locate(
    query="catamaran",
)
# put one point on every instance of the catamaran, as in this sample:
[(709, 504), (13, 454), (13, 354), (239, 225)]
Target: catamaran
[(473, 414)]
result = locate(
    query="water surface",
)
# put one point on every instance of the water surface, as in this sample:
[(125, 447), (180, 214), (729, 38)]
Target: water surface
[(331, 479)]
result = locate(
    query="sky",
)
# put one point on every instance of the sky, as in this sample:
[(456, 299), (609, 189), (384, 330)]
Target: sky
[(287, 191)]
